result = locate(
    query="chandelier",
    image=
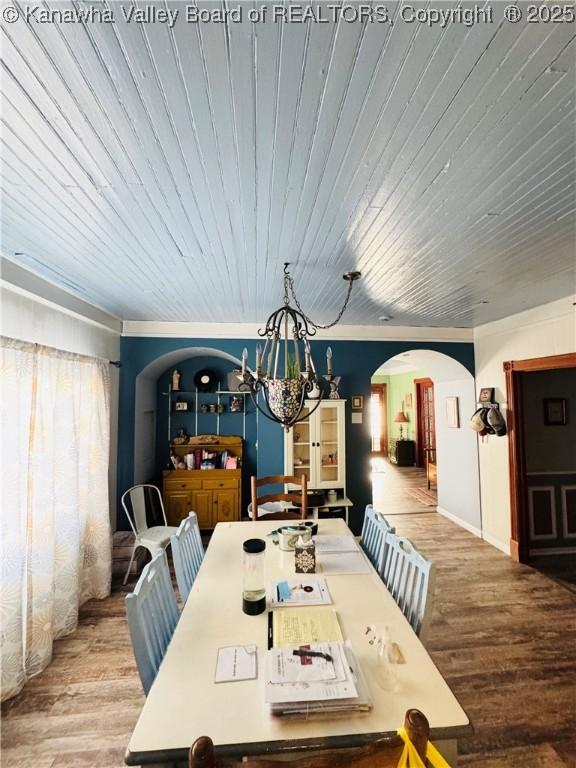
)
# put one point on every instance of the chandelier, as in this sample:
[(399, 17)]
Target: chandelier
[(285, 373)]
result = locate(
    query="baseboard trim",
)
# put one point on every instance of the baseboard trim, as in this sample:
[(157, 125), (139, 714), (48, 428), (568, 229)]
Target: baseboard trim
[(495, 543), (461, 523)]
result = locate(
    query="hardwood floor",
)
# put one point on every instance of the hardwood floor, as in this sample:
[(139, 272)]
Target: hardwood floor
[(389, 486), (503, 635)]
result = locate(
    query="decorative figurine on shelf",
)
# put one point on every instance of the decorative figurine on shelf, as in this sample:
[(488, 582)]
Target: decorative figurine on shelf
[(334, 394), (176, 380), (173, 460), (181, 438)]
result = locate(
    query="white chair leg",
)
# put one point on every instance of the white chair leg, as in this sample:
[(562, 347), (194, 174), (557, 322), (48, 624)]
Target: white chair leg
[(130, 563)]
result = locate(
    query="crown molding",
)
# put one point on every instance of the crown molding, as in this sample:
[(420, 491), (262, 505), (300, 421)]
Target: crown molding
[(554, 310), (141, 328), (26, 283)]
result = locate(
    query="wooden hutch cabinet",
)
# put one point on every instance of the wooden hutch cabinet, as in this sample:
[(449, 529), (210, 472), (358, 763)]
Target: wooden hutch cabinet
[(214, 494)]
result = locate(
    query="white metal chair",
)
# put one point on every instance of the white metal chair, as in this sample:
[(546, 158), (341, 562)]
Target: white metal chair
[(187, 553), (153, 539), (152, 617), (373, 537), (409, 578)]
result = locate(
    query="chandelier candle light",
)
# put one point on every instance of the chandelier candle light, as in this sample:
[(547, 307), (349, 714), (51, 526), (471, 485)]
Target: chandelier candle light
[(288, 384)]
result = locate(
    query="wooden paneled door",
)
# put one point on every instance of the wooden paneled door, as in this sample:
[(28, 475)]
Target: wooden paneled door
[(379, 419), (426, 427)]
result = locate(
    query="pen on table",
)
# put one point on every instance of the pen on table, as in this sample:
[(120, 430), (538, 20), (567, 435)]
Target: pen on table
[(270, 630), (312, 654)]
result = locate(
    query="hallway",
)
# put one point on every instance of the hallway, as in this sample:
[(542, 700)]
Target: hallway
[(393, 486)]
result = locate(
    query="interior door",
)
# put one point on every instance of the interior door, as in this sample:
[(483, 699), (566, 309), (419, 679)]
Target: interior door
[(426, 427), (379, 419)]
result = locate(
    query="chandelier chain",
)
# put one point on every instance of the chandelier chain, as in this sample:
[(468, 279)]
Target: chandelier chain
[(288, 282)]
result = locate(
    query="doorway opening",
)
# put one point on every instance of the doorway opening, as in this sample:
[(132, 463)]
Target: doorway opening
[(541, 395), (420, 462)]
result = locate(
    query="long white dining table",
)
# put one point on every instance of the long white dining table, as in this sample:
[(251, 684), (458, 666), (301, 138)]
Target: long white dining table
[(185, 702)]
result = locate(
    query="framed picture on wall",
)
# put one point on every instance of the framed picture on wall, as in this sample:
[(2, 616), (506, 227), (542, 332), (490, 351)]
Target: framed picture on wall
[(357, 402), (452, 412), (408, 399), (555, 411), (486, 395)]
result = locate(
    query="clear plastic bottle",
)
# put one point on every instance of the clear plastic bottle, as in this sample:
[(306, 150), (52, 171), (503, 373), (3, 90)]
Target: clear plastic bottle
[(253, 577), (386, 672)]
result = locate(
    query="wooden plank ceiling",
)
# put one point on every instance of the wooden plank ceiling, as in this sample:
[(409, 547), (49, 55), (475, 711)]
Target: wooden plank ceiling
[(167, 173)]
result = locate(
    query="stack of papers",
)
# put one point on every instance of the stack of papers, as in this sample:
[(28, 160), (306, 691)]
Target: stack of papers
[(308, 590), (339, 554), (313, 680)]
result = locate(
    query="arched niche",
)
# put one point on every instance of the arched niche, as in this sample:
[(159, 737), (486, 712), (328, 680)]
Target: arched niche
[(456, 448), (145, 404)]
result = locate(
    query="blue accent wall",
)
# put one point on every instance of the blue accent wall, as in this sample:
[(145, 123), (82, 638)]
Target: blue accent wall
[(354, 361)]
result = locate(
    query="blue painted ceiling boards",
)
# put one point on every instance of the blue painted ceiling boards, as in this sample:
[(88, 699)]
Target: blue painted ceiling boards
[(164, 171)]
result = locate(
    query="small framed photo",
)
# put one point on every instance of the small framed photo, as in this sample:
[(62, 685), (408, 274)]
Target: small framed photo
[(357, 402), (486, 395), (555, 411), (180, 405), (408, 400), (452, 412), (236, 404)]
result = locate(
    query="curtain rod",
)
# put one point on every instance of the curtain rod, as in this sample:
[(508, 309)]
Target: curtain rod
[(115, 363)]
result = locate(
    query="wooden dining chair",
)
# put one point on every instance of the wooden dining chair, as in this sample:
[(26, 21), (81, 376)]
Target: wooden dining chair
[(409, 578), (152, 617), (187, 554), (383, 753), (266, 504), (373, 537)]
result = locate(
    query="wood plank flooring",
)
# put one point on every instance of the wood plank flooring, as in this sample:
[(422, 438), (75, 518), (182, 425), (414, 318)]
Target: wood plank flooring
[(503, 635)]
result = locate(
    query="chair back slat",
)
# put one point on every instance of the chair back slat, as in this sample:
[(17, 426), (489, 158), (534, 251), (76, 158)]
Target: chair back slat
[(299, 497), (373, 538), (409, 579), (187, 553), (152, 617)]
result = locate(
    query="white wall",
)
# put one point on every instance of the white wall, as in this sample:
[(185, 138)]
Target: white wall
[(457, 456), (31, 318), (541, 332)]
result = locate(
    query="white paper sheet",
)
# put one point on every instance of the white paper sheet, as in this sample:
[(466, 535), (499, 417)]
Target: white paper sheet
[(335, 544), (342, 687), (236, 662), (300, 596), (331, 564)]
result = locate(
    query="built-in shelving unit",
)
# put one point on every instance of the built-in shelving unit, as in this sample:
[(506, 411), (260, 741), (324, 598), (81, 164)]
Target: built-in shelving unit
[(196, 398)]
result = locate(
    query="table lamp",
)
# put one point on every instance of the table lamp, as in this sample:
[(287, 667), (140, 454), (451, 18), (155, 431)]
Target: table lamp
[(401, 418)]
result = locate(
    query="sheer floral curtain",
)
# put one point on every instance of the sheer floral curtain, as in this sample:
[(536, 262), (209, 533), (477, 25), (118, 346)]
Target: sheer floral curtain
[(55, 526)]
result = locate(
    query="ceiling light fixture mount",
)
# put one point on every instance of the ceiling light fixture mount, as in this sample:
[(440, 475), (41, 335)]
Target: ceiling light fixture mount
[(285, 373)]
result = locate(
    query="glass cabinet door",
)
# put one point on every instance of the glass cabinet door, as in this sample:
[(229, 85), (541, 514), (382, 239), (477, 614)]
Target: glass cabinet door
[(328, 446), (301, 446)]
